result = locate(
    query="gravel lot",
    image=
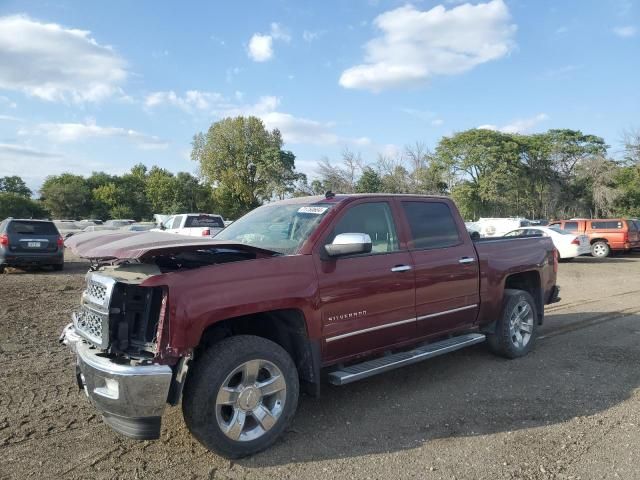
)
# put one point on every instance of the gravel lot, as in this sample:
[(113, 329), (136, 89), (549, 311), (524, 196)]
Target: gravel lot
[(571, 409)]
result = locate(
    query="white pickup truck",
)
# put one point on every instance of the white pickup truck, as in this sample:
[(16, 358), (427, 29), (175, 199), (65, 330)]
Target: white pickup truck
[(193, 224)]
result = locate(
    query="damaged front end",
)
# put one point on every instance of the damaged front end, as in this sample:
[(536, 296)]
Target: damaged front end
[(114, 338)]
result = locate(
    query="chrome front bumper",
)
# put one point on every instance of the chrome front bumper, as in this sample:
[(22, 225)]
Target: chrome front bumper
[(130, 398)]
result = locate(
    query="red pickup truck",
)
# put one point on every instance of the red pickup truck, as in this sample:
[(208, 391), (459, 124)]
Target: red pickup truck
[(336, 287)]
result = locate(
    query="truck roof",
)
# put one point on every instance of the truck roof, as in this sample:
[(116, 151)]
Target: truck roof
[(341, 197)]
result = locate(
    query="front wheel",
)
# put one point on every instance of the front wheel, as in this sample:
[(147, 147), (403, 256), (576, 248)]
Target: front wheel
[(515, 331), (240, 395), (600, 249)]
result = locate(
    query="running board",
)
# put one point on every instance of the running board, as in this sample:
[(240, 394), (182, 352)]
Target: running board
[(369, 368)]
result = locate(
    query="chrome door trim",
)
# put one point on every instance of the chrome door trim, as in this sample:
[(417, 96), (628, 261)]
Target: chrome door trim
[(446, 312), (366, 330)]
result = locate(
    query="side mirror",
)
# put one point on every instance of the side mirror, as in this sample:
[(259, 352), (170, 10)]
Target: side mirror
[(162, 226), (474, 235), (349, 244)]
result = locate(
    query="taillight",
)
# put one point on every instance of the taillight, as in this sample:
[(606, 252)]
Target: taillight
[(575, 241), (206, 232), (4, 240), (60, 242), (555, 260), (626, 237)]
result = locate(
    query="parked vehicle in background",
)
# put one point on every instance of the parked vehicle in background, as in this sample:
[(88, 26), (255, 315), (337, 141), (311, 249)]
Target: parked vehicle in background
[(140, 227), (605, 234), (193, 224), (26, 242), (497, 227), (352, 284), (66, 228), (568, 244), (119, 222)]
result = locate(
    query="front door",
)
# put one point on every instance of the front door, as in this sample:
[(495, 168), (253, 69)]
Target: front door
[(367, 300), (446, 268)]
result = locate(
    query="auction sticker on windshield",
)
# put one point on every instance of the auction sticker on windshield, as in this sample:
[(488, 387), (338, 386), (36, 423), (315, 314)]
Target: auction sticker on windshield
[(314, 210)]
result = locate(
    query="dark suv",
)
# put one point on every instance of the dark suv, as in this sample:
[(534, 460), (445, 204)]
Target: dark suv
[(30, 242)]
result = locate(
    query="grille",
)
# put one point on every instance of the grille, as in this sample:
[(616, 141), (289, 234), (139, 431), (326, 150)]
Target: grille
[(97, 291), (90, 324)]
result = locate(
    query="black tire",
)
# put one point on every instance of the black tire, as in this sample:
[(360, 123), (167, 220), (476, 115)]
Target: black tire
[(2, 267), (600, 249), (58, 267), (206, 378), (501, 342)]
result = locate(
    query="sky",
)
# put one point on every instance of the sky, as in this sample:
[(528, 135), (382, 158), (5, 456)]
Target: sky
[(102, 86)]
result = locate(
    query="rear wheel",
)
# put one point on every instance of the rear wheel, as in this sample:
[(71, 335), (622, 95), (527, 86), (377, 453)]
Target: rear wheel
[(600, 249), (2, 268), (515, 331), (240, 395)]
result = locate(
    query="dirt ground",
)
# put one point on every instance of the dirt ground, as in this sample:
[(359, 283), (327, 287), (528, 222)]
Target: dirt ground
[(571, 409)]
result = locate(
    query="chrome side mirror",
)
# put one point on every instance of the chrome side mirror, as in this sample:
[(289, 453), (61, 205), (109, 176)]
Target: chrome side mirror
[(349, 244)]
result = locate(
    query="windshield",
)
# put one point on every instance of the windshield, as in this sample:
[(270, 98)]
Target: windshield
[(280, 228)]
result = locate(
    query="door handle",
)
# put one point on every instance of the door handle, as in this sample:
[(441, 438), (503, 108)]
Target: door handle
[(401, 268), (466, 260)]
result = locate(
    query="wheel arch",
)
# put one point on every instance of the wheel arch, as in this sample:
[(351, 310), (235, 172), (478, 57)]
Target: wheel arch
[(286, 327), (528, 281), (598, 239)]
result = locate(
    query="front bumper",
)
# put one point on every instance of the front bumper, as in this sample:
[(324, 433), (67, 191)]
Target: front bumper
[(131, 398)]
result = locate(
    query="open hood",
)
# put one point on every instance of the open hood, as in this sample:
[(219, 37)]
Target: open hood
[(107, 245)]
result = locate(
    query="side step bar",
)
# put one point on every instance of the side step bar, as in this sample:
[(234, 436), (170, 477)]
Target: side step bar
[(369, 368)]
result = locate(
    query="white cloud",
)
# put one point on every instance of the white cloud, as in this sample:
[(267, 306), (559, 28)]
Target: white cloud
[(437, 122), (522, 125), (192, 100), (10, 118), (278, 32), (15, 150), (260, 47), (303, 130), (48, 61), (74, 132), (417, 45), (626, 31)]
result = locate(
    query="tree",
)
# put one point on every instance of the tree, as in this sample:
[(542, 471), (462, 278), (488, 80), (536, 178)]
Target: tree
[(14, 184), (66, 196), (243, 162), (369, 181), (487, 162), (20, 206)]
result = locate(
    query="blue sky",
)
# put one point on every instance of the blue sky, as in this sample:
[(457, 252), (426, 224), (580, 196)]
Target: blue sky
[(103, 85)]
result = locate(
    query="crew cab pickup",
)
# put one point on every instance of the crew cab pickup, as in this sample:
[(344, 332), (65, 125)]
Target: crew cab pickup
[(193, 224), (340, 287)]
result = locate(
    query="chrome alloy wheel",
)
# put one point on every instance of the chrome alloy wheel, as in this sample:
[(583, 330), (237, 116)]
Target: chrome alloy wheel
[(251, 400), (521, 324)]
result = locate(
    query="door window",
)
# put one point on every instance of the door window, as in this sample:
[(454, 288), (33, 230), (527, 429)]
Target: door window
[(432, 224), (374, 219)]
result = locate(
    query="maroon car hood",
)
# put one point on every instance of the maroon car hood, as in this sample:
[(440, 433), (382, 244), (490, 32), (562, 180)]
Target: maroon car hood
[(134, 245)]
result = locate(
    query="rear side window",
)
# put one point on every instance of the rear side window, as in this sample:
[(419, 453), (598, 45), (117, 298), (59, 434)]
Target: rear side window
[(32, 228), (204, 221), (606, 224), (432, 224), (633, 226), (571, 226), (177, 221)]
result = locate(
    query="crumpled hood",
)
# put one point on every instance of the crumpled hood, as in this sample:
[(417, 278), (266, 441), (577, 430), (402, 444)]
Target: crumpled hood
[(134, 245)]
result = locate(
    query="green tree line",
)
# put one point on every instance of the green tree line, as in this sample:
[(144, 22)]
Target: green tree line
[(241, 164), (561, 173)]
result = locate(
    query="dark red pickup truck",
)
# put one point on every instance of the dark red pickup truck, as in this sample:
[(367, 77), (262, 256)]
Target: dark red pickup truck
[(339, 287)]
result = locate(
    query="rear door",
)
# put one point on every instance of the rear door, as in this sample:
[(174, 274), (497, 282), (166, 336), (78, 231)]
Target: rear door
[(445, 265), (32, 237), (366, 300), (175, 225)]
